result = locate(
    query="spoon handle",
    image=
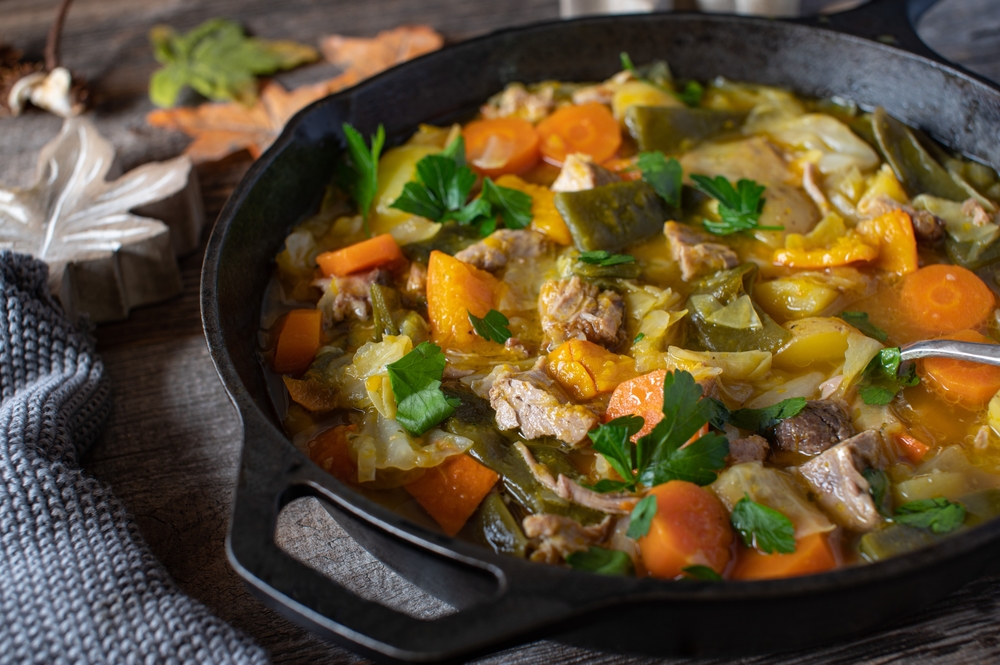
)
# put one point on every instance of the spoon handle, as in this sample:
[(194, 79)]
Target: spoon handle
[(946, 348)]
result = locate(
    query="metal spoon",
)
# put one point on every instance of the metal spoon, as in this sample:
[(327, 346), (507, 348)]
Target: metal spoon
[(946, 348)]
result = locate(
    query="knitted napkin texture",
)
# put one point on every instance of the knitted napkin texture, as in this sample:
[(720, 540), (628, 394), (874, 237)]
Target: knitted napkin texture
[(77, 582)]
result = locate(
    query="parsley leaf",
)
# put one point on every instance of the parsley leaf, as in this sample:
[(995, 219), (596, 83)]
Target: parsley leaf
[(614, 440), (663, 175), (659, 455), (881, 380), (603, 258), (363, 180), (627, 64), (416, 382), (512, 205), (691, 94), (218, 60), (878, 487), (860, 321), (602, 561), (642, 515), (763, 527), (492, 327), (939, 515), (698, 572), (739, 207), (761, 420)]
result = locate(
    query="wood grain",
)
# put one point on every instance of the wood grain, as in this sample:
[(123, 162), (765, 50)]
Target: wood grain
[(171, 448)]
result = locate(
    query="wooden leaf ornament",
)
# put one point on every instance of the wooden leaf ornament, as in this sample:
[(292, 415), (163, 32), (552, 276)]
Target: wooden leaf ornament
[(103, 259), (368, 57)]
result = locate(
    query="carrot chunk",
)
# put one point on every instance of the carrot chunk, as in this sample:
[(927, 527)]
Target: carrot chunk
[(363, 255), (455, 288), (942, 299), (691, 527), (812, 555), (451, 491), (585, 128), (971, 384), (910, 447), (641, 396), (501, 145), (329, 450), (298, 341)]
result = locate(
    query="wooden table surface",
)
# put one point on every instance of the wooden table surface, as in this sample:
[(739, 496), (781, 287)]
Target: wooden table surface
[(171, 448)]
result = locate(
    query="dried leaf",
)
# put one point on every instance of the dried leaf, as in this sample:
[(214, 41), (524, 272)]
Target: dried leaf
[(72, 215), (367, 57), (220, 130), (12, 70), (218, 60)]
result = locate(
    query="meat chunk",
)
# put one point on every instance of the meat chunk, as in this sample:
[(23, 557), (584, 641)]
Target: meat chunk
[(555, 537), (753, 448), (494, 252), (515, 100), (574, 309), (821, 424), (835, 478), (416, 280), (928, 229), (695, 252), (570, 490), (350, 296), (580, 173), (533, 401)]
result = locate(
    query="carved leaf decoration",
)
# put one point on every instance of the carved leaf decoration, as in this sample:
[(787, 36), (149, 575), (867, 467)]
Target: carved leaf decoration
[(222, 129), (72, 215)]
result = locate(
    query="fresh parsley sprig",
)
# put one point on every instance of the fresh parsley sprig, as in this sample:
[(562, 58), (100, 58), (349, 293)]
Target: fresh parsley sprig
[(362, 176), (937, 515), (764, 528), (739, 207), (882, 380), (602, 561), (492, 327), (699, 572), (661, 455), (664, 175), (758, 420), (642, 517), (600, 257), (441, 191), (861, 321), (691, 94), (878, 488), (416, 383)]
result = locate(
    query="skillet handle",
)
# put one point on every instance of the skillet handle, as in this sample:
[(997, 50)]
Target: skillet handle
[(891, 21), (511, 615)]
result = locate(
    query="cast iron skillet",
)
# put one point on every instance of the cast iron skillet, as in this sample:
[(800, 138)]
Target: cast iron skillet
[(503, 600)]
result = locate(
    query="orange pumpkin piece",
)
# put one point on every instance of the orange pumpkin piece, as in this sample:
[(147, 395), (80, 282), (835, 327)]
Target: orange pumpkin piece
[(329, 450), (298, 341), (360, 256), (544, 216), (812, 554), (691, 528), (455, 288), (893, 234), (971, 384), (451, 491), (586, 369)]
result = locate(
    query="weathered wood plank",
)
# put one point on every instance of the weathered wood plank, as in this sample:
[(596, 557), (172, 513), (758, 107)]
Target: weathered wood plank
[(171, 448)]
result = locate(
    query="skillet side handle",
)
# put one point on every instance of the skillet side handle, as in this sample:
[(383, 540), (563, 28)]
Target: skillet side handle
[(270, 477), (892, 22)]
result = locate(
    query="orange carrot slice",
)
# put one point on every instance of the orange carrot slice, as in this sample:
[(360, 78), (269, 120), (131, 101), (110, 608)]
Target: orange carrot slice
[(298, 341), (812, 555), (971, 384), (501, 145), (329, 450), (360, 256), (587, 128), (943, 299), (451, 491)]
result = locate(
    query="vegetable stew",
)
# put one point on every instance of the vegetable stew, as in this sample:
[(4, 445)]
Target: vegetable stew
[(651, 327)]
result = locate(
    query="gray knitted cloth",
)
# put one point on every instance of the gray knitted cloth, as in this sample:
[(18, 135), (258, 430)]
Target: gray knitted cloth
[(77, 582)]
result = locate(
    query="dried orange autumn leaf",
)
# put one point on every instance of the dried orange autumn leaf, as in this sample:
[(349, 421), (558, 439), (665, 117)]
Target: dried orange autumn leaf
[(221, 129)]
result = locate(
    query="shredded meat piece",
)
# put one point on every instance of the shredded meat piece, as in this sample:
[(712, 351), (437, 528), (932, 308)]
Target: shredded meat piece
[(533, 401), (555, 537), (602, 93), (580, 173), (570, 490), (515, 100), (416, 280), (574, 309), (835, 478), (928, 229), (695, 252), (974, 209), (494, 252), (349, 296), (821, 424), (753, 448)]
